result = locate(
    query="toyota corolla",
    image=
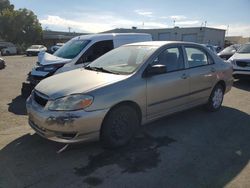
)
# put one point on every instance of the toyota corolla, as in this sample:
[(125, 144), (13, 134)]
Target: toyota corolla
[(126, 88)]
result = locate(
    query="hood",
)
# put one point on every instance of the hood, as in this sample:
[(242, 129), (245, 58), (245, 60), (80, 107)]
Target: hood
[(49, 59), (76, 81), (241, 56)]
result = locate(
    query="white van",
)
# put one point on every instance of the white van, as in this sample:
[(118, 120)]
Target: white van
[(7, 48), (80, 51)]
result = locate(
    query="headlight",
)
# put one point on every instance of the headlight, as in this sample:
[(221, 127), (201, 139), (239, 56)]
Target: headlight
[(71, 102)]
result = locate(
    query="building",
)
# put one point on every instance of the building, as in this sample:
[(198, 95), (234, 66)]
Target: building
[(237, 39), (203, 35), (50, 38)]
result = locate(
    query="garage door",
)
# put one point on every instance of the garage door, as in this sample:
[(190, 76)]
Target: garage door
[(164, 36), (189, 37)]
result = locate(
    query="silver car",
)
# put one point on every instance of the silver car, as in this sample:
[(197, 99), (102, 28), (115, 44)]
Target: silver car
[(241, 62), (125, 88)]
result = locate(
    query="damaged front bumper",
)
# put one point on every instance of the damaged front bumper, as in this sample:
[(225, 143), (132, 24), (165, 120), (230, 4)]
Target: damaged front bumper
[(64, 127)]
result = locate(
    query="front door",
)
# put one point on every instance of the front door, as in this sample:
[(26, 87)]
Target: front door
[(169, 91)]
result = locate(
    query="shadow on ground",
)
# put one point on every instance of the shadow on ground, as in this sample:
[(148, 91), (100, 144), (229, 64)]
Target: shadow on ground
[(18, 104), (207, 150)]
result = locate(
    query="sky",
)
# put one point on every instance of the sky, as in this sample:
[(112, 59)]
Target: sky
[(102, 15)]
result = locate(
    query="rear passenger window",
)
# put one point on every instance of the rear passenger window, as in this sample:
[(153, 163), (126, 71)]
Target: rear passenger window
[(172, 58), (196, 57)]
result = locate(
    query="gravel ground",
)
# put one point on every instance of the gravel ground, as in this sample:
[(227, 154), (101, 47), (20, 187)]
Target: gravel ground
[(188, 149)]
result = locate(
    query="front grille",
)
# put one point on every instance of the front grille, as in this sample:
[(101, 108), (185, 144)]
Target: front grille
[(40, 100), (243, 64)]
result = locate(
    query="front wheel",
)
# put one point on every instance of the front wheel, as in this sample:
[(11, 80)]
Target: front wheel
[(216, 98), (119, 126)]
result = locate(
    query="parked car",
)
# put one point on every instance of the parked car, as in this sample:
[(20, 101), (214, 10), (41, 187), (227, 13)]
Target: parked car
[(241, 62), (54, 48), (2, 63), (128, 86), (228, 51), (34, 50), (8, 48), (80, 51)]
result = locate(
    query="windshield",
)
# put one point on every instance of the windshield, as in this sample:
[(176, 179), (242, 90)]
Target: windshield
[(244, 49), (71, 49), (122, 60)]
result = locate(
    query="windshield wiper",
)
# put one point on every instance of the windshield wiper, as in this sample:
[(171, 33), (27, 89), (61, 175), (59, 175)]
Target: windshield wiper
[(99, 69)]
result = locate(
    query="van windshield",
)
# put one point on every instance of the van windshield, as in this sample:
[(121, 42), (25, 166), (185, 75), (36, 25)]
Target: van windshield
[(71, 49)]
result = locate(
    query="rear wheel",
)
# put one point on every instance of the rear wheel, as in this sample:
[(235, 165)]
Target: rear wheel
[(119, 126), (216, 98)]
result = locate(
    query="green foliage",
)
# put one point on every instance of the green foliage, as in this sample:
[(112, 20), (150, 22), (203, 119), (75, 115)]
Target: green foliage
[(19, 26)]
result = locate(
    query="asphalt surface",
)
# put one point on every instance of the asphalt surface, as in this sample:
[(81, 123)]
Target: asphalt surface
[(193, 148)]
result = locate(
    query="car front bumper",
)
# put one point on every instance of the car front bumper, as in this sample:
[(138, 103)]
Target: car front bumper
[(241, 71), (33, 53), (36, 76), (64, 127)]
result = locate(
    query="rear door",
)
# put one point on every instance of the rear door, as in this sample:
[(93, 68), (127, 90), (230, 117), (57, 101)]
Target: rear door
[(167, 92), (201, 72)]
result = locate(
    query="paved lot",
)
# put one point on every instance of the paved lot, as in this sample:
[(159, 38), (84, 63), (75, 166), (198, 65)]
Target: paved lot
[(189, 149)]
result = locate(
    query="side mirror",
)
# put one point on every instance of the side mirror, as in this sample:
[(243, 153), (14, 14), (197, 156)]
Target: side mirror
[(155, 70)]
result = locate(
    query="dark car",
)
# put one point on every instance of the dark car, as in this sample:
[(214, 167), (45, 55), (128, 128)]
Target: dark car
[(2, 63), (228, 51)]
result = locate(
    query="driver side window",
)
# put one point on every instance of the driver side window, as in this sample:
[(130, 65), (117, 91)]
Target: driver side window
[(96, 51), (172, 58)]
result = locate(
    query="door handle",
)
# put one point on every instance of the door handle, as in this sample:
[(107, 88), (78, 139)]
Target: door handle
[(184, 76), (213, 69)]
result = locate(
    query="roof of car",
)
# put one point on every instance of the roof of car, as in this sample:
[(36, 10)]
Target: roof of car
[(159, 43), (108, 35)]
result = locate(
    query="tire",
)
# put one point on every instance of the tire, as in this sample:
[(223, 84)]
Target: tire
[(119, 126), (2, 65), (216, 98)]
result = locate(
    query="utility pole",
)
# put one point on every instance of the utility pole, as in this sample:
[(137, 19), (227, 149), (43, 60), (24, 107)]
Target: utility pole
[(227, 30)]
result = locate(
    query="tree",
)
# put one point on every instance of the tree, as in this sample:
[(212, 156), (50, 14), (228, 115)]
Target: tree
[(5, 4), (19, 26)]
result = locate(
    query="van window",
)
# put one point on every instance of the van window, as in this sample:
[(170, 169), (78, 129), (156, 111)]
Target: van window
[(96, 50)]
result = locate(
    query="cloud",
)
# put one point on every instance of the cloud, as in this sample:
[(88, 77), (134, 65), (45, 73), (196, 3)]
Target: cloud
[(187, 22), (56, 21), (144, 13), (96, 24), (235, 29), (178, 17)]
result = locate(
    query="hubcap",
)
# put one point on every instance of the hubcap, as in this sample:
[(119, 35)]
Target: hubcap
[(217, 98), (120, 126)]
